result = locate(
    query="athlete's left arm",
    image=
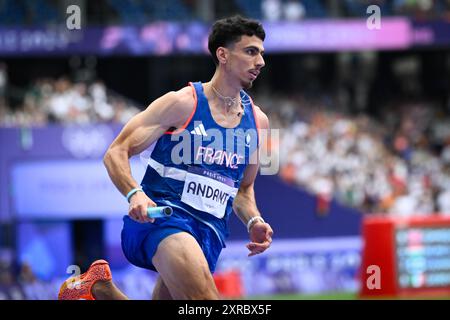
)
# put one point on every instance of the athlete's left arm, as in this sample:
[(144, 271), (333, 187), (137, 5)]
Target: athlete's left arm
[(244, 203)]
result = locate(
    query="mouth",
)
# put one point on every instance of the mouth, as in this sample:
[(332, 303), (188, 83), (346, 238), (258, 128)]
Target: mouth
[(254, 74)]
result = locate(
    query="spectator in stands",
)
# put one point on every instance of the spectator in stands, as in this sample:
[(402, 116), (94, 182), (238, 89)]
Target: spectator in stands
[(443, 202), (6, 276), (293, 10), (3, 81), (272, 10), (103, 109), (26, 275)]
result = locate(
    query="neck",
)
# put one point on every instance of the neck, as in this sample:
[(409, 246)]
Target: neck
[(224, 85), (225, 92)]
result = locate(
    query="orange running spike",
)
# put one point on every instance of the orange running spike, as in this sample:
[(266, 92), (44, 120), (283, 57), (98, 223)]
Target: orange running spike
[(80, 287)]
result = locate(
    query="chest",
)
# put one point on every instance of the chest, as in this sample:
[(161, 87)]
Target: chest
[(226, 118)]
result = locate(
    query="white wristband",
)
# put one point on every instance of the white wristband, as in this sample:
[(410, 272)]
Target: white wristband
[(250, 222), (133, 191)]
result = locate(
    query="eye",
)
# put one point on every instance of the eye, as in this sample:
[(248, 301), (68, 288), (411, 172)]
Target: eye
[(251, 51)]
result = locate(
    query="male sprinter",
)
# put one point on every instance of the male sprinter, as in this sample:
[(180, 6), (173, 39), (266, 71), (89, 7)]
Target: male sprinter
[(202, 185)]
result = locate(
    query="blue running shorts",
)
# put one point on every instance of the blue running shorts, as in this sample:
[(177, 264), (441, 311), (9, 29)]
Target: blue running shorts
[(140, 240)]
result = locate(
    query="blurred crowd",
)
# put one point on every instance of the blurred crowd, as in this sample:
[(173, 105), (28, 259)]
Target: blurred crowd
[(18, 282), (106, 12), (399, 164), (274, 10), (60, 100)]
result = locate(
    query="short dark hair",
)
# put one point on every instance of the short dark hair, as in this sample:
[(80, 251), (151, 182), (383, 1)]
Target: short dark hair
[(230, 30)]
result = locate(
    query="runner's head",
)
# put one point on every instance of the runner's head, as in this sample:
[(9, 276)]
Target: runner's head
[(236, 44)]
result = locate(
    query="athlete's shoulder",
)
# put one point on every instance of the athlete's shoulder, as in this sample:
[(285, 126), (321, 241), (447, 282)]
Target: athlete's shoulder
[(186, 96), (183, 98), (179, 106), (262, 118)]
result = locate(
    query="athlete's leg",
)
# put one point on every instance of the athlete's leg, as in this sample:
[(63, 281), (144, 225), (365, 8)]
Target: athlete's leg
[(160, 292), (184, 269), (107, 290)]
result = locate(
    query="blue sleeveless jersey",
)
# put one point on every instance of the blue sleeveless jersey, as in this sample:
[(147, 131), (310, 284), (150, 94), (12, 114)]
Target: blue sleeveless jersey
[(198, 169)]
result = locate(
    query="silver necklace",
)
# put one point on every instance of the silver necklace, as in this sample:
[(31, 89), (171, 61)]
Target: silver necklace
[(229, 101)]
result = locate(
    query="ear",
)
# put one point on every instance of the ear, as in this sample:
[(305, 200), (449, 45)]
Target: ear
[(222, 55)]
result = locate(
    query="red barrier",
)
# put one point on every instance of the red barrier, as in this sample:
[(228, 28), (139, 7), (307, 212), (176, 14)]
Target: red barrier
[(229, 284)]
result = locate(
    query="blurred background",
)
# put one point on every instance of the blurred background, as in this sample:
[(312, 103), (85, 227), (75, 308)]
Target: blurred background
[(364, 143)]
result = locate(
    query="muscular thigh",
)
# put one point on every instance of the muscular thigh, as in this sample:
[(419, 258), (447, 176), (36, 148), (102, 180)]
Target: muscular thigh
[(183, 268)]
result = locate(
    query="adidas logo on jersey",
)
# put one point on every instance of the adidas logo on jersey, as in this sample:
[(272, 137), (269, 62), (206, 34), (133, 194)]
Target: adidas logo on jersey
[(200, 130)]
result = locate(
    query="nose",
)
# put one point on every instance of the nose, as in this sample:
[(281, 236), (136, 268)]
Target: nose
[(260, 61)]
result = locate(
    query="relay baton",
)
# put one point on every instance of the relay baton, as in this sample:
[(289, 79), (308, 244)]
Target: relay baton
[(159, 212)]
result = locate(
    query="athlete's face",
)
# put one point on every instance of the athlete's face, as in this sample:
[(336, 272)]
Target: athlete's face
[(245, 60)]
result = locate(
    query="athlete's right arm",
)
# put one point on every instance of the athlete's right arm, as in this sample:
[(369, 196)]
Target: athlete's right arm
[(171, 110)]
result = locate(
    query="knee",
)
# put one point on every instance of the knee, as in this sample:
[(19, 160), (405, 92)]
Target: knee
[(206, 293), (205, 290)]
